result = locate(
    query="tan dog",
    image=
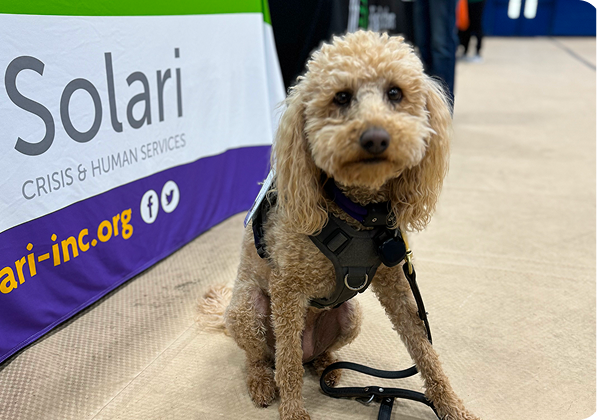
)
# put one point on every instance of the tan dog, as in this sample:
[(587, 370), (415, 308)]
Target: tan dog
[(366, 115)]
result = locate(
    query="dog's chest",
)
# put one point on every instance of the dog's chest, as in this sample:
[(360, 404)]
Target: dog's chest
[(301, 264)]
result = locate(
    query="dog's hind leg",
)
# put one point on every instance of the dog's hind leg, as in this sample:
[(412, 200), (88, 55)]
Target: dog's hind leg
[(247, 320), (322, 362), (348, 317)]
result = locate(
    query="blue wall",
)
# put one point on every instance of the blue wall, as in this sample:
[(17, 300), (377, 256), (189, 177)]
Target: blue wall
[(553, 18)]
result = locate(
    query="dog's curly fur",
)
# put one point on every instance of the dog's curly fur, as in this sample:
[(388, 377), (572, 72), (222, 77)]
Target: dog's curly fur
[(318, 138)]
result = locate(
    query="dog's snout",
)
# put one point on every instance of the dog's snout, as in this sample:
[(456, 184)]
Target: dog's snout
[(375, 140)]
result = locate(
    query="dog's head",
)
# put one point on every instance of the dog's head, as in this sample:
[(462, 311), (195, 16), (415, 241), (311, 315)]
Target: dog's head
[(366, 115)]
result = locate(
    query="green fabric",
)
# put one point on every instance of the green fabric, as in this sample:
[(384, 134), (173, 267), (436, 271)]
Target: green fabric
[(134, 7), (266, 12), (363, 21)]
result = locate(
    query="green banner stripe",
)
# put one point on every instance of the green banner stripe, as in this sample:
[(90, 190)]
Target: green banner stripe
[(134, 7), (266, 12)]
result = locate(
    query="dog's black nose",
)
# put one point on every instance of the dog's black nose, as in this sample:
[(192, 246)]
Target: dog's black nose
[(375, 140)]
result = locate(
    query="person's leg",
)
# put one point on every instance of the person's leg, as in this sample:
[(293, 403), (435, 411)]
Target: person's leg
[(464, 38), (444, 40), (475, 12), (422, 33)]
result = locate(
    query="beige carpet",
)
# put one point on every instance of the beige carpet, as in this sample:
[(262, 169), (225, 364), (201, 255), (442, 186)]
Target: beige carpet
[(507, 271)]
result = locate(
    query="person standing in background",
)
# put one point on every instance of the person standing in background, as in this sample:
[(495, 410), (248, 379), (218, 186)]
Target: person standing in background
[(436, 38), (475, 18)]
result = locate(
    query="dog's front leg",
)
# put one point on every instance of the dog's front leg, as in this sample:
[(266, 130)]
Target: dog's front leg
[(289, 309), (395, 295)]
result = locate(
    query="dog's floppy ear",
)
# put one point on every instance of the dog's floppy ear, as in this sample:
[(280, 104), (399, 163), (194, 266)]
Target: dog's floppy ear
[(415, 192), (300, 198)]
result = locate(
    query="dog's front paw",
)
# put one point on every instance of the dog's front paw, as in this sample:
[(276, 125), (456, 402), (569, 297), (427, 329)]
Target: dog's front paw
[(449, 406), (454, 410), (261, 385), (293, 411), (458, 415)]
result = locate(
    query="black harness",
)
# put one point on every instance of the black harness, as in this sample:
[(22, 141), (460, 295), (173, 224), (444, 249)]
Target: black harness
[(356, 255)]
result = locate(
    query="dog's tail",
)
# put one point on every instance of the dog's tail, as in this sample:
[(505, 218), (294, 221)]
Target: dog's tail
[(212, 307)]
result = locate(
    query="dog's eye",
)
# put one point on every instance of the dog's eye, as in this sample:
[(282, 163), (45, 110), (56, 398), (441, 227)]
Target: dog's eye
[(342, 98), (395, 94)]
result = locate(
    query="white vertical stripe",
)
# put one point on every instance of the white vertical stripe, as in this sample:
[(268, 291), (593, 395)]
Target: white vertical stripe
[(514, 9), (530, 8), (354, 15)]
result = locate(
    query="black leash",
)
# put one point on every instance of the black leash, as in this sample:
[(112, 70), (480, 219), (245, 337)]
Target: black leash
[(386, 396)]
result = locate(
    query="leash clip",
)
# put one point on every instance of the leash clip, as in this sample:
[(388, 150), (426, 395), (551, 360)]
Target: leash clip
[(409, 261), (408, 253), (364, 401)]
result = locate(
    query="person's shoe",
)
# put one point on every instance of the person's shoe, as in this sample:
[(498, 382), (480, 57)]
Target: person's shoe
[(476, 59), (461, 52)]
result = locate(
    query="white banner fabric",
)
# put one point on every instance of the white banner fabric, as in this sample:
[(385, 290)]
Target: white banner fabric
[(125, 98)]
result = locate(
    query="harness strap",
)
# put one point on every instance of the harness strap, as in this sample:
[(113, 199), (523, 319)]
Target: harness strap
[(386, 408), (386, 396), (259, 218)]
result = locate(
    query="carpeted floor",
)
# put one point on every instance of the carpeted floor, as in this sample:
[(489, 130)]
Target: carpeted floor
[(506, 269)]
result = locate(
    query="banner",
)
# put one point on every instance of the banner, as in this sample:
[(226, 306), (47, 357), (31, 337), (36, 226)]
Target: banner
[(123, 138)]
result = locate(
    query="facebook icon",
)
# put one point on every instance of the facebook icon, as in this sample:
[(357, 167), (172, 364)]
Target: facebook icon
[(149, 206)]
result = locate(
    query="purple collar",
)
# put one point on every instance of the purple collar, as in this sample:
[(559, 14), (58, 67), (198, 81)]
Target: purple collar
[(372, 215), (352, 209)]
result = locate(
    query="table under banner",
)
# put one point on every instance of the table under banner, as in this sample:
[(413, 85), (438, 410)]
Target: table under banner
[(126, 129)]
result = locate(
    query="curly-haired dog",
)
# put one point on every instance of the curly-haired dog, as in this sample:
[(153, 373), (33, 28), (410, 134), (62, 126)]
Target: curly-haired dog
[(367, 116)]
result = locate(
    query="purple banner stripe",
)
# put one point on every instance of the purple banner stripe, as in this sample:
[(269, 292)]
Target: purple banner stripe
[(55, 266)]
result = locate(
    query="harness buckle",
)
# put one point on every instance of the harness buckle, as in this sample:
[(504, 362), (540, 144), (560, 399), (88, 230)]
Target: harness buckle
[(377, 215)]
